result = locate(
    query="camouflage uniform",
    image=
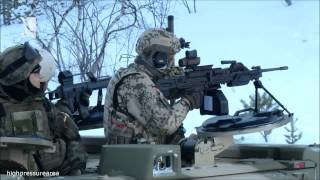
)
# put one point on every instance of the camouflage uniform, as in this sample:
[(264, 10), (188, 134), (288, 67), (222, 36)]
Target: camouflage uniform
[(135, 109), (66, 133), (25, 113)]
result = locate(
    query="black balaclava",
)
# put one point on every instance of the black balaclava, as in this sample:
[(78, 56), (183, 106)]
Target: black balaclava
[(21, 90)]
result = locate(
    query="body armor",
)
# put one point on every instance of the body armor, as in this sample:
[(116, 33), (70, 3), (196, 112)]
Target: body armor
[(136, 111), (117, 126), (26, 119)]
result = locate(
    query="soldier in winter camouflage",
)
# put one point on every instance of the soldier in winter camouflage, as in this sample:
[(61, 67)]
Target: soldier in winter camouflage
[(135, 109), (26, 113)]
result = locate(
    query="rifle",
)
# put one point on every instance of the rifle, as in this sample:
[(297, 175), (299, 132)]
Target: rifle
[(207, 80), (86, 117)]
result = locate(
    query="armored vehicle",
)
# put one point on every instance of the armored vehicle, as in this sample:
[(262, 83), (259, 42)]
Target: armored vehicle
[(212, 156)]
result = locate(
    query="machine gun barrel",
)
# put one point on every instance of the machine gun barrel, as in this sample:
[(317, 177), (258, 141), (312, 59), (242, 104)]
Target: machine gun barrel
[(274, 69), (228, 61), (209, 80)]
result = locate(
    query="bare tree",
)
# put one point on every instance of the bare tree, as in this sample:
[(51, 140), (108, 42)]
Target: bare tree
[(88, 35), (186, 4), (6, 7), (288, 2)]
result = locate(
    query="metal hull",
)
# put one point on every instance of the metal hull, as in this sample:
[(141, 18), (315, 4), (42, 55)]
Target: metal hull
[(240, 161)]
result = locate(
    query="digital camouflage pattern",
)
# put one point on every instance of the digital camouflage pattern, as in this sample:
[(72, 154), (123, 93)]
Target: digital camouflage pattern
[(142, 113), (16, 75), (70, 155), (76, 155)]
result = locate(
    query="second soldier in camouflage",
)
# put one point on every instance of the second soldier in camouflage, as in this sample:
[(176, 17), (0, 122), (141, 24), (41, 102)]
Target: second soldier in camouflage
[(135, 109)]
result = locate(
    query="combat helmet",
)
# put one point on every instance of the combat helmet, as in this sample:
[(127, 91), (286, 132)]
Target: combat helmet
[(155, 45), (16, 63)]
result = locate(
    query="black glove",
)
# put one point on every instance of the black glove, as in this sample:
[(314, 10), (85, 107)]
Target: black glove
[(194, 99)]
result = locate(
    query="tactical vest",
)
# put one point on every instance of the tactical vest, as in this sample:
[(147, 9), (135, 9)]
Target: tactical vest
[(25, 119), (119, 126)]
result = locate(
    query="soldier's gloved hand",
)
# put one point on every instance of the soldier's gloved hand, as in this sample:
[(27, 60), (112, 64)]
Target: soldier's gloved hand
[(85, 97), (194, 99)]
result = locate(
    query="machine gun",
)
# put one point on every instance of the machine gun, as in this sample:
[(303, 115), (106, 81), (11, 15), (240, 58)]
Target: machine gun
[(215, 134), (208, 80), (86, 117)]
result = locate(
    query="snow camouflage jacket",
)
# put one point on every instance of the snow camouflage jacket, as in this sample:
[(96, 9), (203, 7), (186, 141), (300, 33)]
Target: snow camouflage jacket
[(135, 111)]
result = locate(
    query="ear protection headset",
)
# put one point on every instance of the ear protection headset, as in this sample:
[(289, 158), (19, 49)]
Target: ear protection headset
[(160, 59)]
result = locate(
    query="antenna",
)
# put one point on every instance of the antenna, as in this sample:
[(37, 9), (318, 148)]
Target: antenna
[(170, 27)]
